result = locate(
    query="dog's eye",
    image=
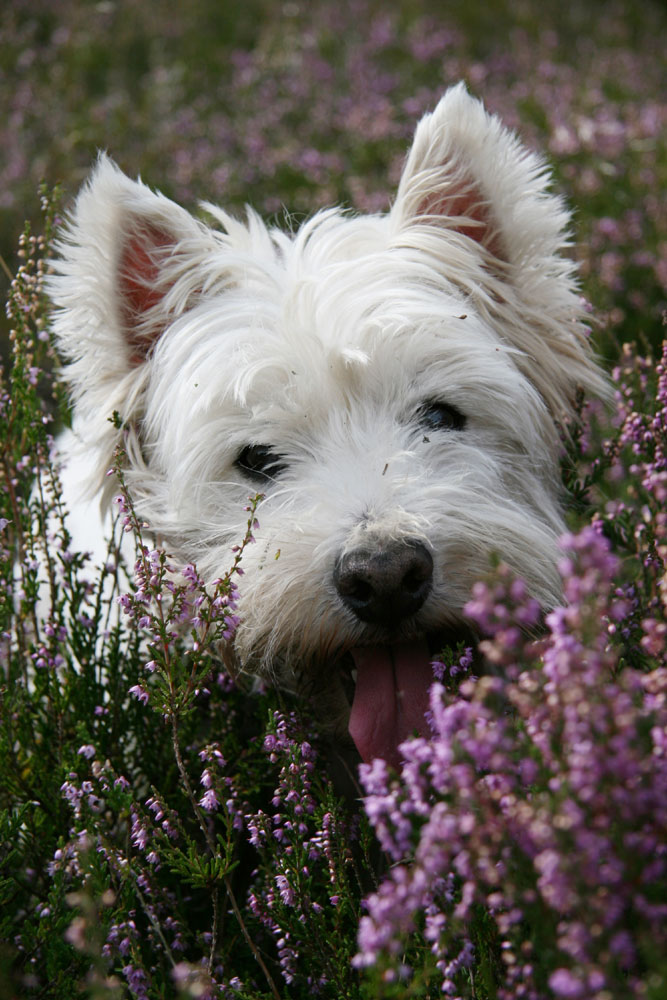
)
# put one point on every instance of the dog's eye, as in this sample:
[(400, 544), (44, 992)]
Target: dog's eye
[(260, 462), (441, 417)]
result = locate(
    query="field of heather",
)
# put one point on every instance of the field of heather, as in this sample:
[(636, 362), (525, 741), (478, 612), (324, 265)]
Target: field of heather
[(167, 832)]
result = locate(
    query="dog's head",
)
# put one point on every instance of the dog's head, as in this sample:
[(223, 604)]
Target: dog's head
[(392, 384)]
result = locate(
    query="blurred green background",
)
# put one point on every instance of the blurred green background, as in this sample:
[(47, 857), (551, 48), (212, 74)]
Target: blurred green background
[(294, 105)]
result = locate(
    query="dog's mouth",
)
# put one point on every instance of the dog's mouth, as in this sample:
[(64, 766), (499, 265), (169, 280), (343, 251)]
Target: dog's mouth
[(387, 687)]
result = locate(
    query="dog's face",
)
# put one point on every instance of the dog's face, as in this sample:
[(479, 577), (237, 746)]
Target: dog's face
[(391, 384)]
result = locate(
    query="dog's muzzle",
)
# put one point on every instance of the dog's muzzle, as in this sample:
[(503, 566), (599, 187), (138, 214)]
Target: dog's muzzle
[(384, 586)]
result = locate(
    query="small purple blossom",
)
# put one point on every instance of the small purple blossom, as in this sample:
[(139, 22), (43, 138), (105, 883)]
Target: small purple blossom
[(565, 984), (209, 800), (140, 693), (285, 890)]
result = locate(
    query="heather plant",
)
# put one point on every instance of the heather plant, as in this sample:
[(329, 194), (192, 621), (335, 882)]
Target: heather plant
[(534, 819)]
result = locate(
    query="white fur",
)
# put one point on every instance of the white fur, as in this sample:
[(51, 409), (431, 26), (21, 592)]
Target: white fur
[(324, 344)]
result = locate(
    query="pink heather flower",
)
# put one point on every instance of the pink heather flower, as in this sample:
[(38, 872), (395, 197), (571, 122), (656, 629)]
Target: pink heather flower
[(75, 933), (140, 693), (137, 981), (285, 890), (209, 800), (654, 640), (565, 984), (139, 835), (155, 808)]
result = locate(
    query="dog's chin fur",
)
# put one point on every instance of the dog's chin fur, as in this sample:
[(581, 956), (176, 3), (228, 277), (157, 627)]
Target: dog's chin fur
[(339, 347)]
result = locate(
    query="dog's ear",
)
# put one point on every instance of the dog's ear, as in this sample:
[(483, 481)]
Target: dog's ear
[(129, 262), (477, 205), (116, 282)]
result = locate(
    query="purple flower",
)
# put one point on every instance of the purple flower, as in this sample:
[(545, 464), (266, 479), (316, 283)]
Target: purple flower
[(565, 984), (140, 693), (285, 890), (139, 833), (209, 800), (537, 770)]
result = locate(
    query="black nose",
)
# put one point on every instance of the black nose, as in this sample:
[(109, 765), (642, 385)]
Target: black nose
[(385, 584)]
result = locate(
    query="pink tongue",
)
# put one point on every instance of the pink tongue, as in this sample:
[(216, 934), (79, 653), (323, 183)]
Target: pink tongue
[(391, 697)]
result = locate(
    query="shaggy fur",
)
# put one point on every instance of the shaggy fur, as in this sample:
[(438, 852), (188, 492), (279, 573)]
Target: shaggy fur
[(393, 384)]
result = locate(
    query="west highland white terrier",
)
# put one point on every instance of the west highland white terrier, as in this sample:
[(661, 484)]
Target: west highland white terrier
[(393, 384)]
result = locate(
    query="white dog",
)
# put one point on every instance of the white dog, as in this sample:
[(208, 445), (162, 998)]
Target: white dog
[(393, 384)]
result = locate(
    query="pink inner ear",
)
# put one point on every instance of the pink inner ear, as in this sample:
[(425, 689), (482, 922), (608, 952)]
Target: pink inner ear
[(465, 205), (140, 288)]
